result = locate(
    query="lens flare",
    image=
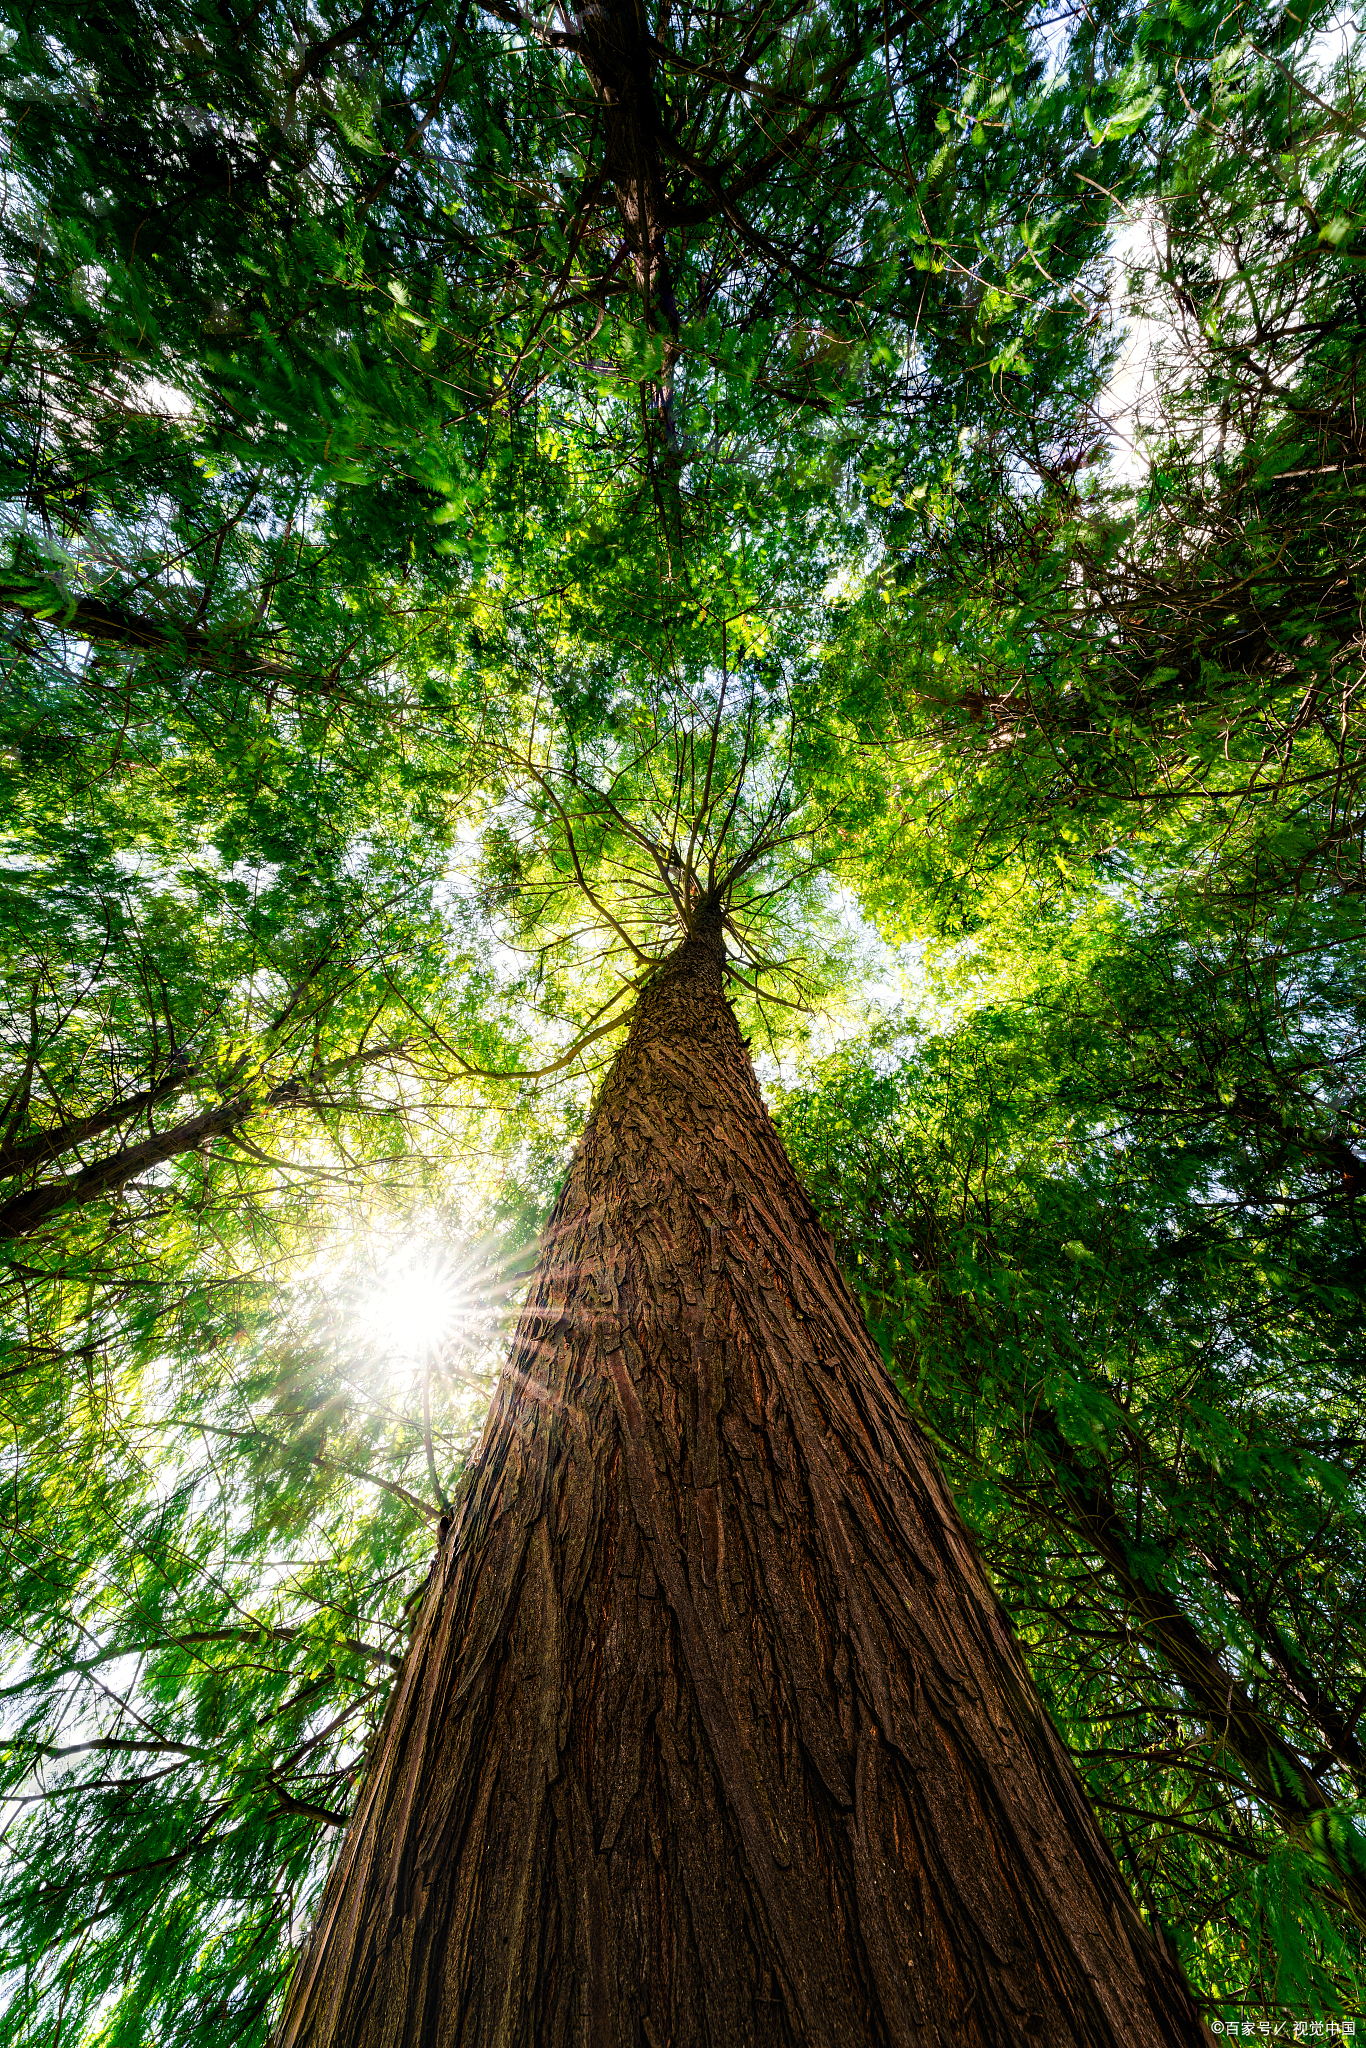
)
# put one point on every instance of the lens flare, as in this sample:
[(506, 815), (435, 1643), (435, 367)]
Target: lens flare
[(415, 1307)]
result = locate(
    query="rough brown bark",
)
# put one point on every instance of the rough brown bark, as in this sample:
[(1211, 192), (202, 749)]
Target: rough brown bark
[(712, 1730), (618, 52)]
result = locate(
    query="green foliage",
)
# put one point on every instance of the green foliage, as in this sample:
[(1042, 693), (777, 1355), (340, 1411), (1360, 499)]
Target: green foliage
[(210, 1562), (1165, 668)]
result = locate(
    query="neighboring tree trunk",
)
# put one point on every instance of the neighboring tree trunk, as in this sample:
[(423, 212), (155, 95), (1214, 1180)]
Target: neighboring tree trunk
[(711, 1730), (1251, 1739), (27, 1212)]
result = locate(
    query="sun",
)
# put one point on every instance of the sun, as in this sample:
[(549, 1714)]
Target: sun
[(416, 1306)]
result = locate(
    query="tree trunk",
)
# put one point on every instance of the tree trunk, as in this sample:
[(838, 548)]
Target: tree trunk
[(711, 1730)]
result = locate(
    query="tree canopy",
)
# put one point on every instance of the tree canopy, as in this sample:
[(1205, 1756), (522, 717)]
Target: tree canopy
[(476, 480)]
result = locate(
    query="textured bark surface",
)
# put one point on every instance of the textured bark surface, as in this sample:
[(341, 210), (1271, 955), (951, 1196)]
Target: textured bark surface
[(618, 52), (711, 1730)]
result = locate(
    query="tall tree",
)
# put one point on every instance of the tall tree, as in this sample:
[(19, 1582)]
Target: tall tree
[(693, 1674), (712, 1728)]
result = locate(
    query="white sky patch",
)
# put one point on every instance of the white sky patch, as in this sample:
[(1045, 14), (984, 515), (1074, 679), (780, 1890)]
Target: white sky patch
[(1053, 28), (166, 400), (1128, 403), (888, 982), (1129, 406), (1150, 361)]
